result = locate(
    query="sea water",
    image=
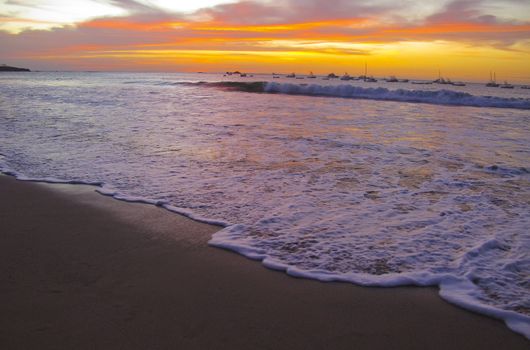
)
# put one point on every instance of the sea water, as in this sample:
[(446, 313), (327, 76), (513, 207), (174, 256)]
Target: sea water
[(379, 184)]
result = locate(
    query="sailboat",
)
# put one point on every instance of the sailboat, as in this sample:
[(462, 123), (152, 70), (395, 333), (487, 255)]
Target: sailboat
[(367, 79), (492, 82), (311, 76), (441, 80)]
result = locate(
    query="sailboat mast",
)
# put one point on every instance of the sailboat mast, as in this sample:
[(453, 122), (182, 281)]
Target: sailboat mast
[(365, 70)]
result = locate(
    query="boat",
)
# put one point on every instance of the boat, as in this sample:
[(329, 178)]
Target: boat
[(346, 76), (392, 79), (292, 75), (458, 83), (442, 81), (506, 85), (332, 76), (422, 82), (368, 79), (242, 75), (403, 80), (311, 76), (275, 77), (526, 87), (446, 82), (299, 77), (492, 82)]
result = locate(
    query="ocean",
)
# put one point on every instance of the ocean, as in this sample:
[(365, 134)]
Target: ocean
[(377, 184)]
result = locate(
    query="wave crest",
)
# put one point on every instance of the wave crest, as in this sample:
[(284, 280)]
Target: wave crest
[(438, 97), (443, 97)]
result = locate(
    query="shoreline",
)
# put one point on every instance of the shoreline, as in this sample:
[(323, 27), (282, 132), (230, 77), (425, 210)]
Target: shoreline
[(82, 270)]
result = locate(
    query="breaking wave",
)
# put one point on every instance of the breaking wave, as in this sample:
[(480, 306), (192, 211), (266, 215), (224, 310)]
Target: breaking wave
[(439, 97)]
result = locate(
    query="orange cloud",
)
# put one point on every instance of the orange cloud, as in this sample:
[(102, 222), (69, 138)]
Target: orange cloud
[(128, 25), (285, 27), (460, 27)]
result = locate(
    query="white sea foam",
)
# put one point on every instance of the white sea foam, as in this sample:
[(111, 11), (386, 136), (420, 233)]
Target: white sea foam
[(374, 193)]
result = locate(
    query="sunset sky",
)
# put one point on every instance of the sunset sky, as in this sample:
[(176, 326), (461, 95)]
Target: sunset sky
[(464, 39)]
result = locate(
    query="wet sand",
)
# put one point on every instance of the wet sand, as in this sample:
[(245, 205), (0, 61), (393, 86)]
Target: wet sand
[(82, 271)]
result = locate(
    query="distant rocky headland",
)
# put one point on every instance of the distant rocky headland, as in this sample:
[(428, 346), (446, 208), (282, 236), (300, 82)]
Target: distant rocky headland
[(6, 68)]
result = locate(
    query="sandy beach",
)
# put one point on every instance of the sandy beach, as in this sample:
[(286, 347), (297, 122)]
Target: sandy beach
[(80, 270)]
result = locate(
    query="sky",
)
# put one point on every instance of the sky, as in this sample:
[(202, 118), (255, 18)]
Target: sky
[(463, 39)]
